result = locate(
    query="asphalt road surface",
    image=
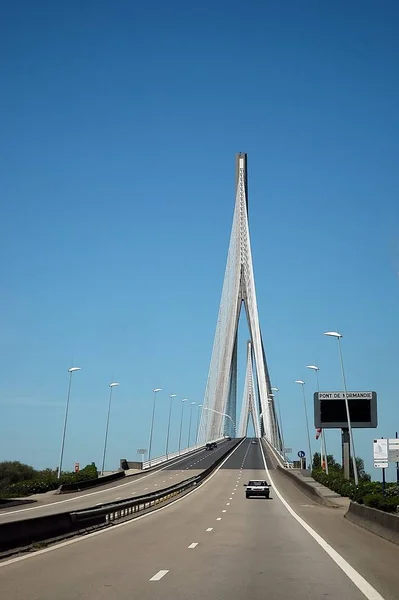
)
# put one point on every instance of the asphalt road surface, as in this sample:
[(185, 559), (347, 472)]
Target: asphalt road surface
[(213, 543), (129, 487)]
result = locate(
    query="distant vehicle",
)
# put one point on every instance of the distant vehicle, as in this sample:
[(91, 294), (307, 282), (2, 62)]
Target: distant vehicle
[(288, 465), (228, 438), (254, 442), (257, 488), (211, 446)]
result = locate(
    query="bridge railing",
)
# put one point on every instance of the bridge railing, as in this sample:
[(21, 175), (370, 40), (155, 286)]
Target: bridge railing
[(161, 459)]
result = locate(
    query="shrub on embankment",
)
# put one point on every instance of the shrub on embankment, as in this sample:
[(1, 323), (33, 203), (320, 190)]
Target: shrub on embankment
[(367, 492), (18, 480)]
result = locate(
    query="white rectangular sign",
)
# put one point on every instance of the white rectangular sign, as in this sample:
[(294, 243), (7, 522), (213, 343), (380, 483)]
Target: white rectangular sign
[(341, 395), (381, 465), (393, 450), (380, 450)]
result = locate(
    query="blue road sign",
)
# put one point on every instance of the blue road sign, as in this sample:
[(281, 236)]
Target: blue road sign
[(301, 454)]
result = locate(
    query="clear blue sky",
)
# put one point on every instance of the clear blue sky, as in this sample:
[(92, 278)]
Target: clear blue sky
[(119, 127)]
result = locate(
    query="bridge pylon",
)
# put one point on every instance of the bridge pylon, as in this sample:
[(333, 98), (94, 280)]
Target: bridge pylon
[(238, 290)]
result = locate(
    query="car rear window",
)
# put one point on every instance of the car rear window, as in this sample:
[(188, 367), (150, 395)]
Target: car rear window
[(255, 483)]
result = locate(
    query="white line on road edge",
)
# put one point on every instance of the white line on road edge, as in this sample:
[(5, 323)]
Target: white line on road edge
[(159, 575), (359, 581), (193, 545), (125, 523)]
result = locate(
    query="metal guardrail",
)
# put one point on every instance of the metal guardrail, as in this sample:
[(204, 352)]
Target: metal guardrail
[(113, 511)]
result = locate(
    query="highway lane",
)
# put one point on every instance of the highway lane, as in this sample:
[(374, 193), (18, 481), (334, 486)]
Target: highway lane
[(213, 543), (126, 488)]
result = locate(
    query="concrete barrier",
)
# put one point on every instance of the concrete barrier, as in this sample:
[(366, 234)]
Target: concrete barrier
[(78, 486), (384, 524), (18, 534), (308, 488)]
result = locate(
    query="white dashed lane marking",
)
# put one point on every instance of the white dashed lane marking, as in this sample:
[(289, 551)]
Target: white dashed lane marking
[(159, 575), (218, 518), (224, 510), (193, 545), (210, 529)]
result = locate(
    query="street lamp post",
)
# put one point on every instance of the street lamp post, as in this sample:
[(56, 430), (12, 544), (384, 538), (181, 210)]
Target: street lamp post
[(275, 389), (302, 383), (218, 412), (170, 414), (189, 424), (152, 424), (274, 428), (70, 371), (111, 387), (198, 420), (323, 435), (181, 422), (351, 442)]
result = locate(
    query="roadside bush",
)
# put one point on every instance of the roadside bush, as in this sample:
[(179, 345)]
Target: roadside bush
[(47, 482), (385, 503), (367, 492), (13, 472)]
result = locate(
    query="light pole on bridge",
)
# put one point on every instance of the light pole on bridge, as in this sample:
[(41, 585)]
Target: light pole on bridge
[(218, 412), (189, 424), (275, 389), (70, 371), (348, 417), (181, 422), (316, 369), (198, 420), (156, 390), (170, 414), (111, 387), (302, 383)]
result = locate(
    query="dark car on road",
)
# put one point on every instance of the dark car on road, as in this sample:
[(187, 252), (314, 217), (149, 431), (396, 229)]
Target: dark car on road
[(211, 446)]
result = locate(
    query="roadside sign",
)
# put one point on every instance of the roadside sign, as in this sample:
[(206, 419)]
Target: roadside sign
[(381, 465), (380, 453), (380, 450), (289, 450), (301, 454), (330, 410), (393, 450), (77, 467)]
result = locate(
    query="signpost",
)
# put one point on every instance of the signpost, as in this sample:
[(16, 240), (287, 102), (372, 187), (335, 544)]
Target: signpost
[(386, 451), (302, 455)]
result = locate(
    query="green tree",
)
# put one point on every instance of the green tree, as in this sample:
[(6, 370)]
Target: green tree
[(14, 472)]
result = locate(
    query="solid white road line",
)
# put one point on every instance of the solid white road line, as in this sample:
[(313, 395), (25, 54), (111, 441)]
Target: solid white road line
[(76, 540), (159, 575), (193, 545), (359, 581)]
